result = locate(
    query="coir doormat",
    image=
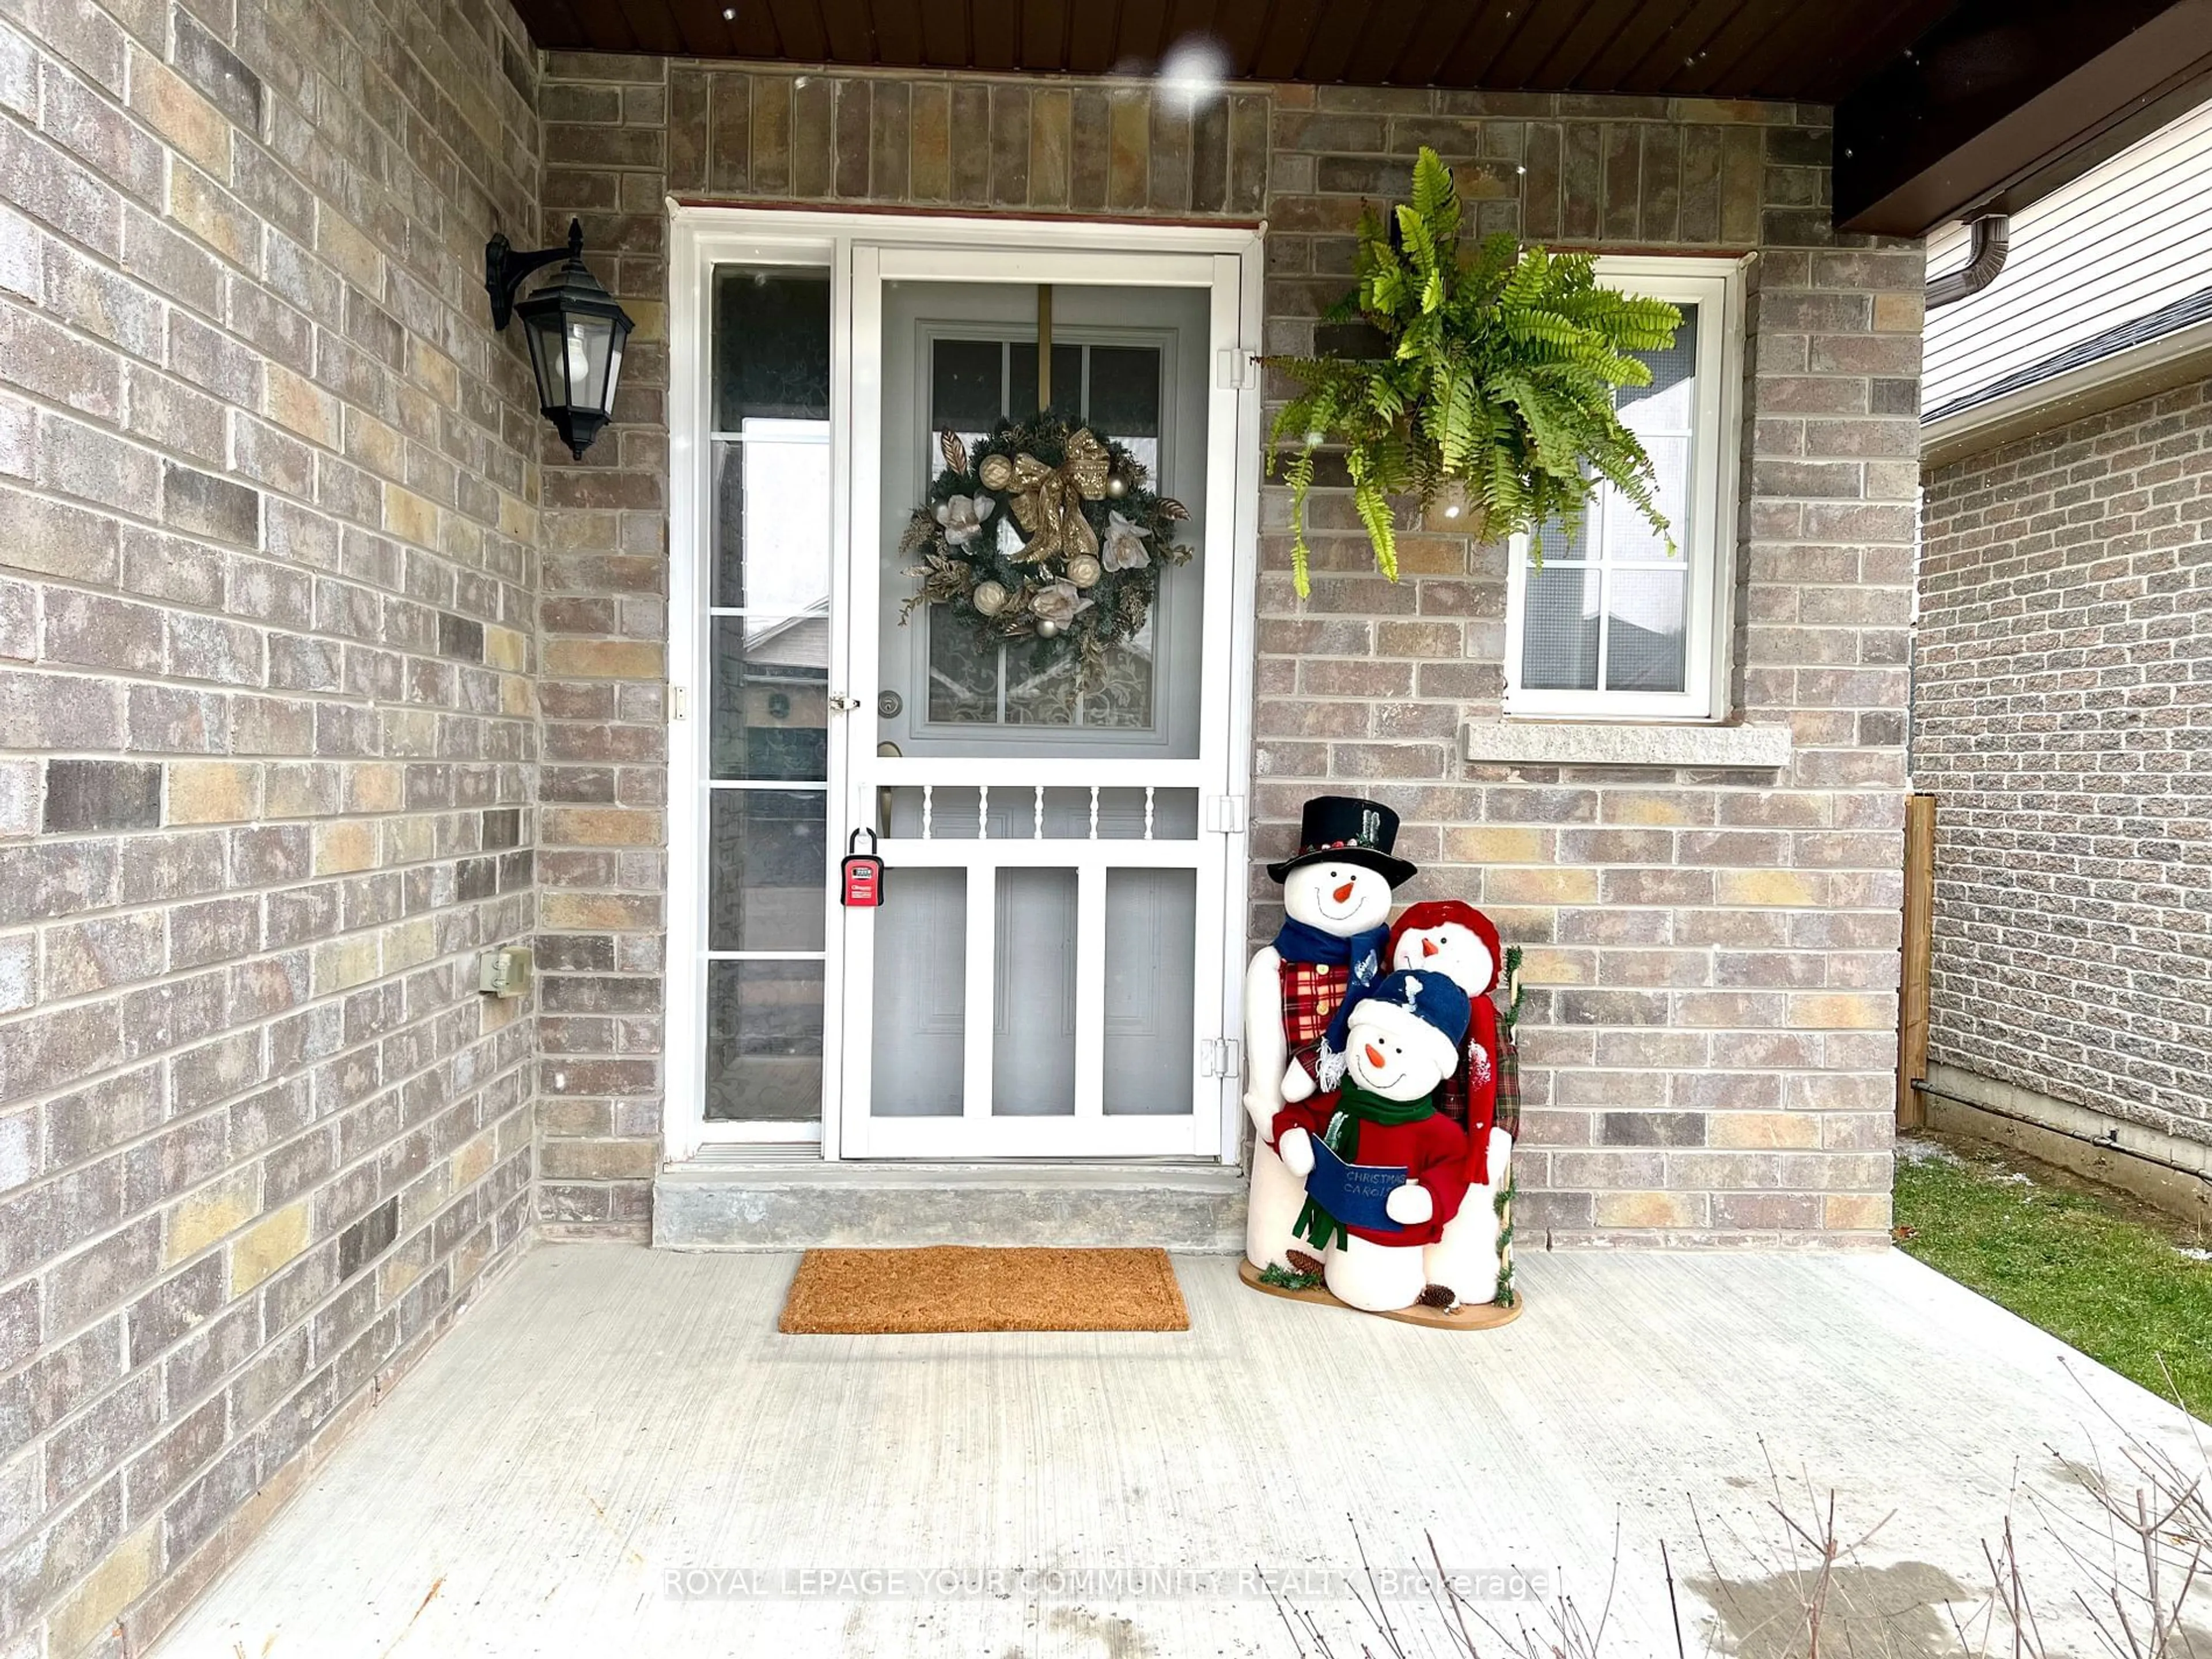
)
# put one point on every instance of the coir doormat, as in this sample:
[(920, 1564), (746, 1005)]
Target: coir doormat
[(950, 1287)]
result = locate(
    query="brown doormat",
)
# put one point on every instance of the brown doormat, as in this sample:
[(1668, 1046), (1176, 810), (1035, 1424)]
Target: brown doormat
[(955, 1287)]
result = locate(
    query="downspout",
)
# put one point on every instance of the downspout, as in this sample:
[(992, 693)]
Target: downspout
[(1992, 238)]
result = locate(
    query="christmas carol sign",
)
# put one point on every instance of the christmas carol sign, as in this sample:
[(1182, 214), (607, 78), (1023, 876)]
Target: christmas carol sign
[(1354, 1194)]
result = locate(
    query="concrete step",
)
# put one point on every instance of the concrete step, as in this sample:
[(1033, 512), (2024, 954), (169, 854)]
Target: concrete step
[(784, 1206)]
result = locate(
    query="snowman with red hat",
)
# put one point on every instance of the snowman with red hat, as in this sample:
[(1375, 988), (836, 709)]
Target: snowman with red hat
[(1385, 1171), (1298, 992), (1448, 937)]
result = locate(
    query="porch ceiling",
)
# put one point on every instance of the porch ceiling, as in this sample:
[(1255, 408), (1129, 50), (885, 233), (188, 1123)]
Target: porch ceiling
[(1944, 107), (1708, 48)]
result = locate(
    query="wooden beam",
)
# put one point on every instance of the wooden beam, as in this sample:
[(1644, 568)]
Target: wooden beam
[(1917, 951), (2005, 100)]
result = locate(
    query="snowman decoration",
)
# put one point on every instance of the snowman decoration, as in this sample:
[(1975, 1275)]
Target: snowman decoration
[(1386, 1172), (1447, 937), (1297, 992)]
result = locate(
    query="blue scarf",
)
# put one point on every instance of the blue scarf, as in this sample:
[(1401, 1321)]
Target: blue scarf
[(1362, 953)]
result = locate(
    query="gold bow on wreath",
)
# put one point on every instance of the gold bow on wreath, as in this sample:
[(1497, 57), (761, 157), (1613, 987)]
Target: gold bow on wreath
[(1048, 501)]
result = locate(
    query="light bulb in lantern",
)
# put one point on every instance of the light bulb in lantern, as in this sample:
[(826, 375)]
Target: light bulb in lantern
[(580, 362)]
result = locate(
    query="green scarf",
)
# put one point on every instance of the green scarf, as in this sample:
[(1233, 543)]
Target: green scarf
[(1354, 1106)]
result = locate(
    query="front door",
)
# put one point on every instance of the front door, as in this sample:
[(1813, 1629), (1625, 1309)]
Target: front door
[(1045, 978)]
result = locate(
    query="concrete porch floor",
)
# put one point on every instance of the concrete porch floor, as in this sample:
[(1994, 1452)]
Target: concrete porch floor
[(605, 1413)]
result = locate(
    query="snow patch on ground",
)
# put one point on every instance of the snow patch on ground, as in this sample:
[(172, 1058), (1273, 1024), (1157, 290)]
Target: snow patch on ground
[(1925, 1152), (2193, 1253)]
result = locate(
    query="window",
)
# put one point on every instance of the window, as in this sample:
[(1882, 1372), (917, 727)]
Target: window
[(1602, 622), (975, 677), (766, 675)]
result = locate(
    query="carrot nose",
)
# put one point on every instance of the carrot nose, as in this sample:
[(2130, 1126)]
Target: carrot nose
[(1428, 947), (1373, 1056), (1344, 892)]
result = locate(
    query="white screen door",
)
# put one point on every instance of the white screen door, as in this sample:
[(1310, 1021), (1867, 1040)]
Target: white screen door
[(1046, 977), (1049, 977)]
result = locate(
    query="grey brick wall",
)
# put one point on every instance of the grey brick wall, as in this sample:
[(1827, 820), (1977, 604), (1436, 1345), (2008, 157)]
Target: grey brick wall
[(1712, 1038), (2057, 719), (268, 506), (1710, 1047)]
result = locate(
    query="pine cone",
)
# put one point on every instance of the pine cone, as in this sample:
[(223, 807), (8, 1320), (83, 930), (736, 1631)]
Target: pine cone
[(1301, 1262)]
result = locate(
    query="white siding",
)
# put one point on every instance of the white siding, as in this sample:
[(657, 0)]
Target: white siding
[(2121, 241)]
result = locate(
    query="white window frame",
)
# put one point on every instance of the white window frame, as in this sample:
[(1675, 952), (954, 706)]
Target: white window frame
[(1716, 286), (699, 242)]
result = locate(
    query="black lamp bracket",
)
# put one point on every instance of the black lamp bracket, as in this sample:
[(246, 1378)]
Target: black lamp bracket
[(505, 268)]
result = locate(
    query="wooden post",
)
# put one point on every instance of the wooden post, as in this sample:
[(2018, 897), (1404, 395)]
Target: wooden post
[(1918, 950), (1044, 348)]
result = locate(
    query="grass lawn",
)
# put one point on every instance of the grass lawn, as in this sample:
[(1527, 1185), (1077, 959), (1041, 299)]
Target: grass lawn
[(2090, 1265)]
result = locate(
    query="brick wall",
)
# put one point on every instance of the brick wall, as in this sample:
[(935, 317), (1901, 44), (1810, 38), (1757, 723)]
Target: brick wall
[(2060, 679), (1709, 1049), (1711, 1039), (267, 751)]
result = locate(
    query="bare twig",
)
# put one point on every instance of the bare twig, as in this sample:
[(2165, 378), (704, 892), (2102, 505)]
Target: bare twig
[(1381, 1619), (1453, 1603), (1674, 1606), (2131, 1535)]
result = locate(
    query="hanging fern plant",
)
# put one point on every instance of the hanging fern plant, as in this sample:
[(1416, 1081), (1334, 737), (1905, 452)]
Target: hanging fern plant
[(1497, 389)]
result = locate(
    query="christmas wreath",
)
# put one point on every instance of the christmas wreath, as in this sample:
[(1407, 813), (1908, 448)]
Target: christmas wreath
[(1046, 533)]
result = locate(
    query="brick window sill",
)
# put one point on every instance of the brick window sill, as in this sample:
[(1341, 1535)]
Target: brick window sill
[(1591, 743)]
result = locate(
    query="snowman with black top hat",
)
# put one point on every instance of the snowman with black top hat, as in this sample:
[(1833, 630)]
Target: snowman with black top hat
[(1299, 994)]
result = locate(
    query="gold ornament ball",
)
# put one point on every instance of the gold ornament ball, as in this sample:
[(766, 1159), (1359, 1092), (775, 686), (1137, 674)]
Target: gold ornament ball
[(996, 471), (1116, 485), (1084, 571), (989, 599), (1046, 628)]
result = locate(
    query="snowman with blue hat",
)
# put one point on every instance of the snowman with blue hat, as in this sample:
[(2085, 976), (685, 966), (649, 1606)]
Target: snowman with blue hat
[(1384, 1170)]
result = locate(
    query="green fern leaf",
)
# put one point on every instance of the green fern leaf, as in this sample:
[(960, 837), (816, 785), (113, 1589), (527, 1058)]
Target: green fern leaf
[(1502, 375), (1432, 184)]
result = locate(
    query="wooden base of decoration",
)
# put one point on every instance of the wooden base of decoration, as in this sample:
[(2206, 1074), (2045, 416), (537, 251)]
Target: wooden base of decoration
[(1468, 1316)]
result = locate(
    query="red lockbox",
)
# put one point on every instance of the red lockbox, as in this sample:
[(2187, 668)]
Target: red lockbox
[(863, 885)]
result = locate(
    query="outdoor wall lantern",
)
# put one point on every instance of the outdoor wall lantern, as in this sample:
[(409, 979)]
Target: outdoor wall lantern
[(575, 331)]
